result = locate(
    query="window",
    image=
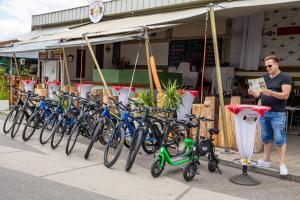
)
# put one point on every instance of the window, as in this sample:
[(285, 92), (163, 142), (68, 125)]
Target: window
[(78, 63)]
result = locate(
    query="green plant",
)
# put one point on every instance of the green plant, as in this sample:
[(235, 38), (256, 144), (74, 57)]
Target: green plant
[(4, 92), (172, 97), (26, 70), (146, 98)]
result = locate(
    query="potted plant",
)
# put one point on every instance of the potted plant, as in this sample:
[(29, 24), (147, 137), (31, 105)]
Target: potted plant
[(172, 97), (4, 92), (146, 98)]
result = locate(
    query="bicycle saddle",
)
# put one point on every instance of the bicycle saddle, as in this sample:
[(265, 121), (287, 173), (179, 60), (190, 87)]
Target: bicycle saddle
[(213, 131)]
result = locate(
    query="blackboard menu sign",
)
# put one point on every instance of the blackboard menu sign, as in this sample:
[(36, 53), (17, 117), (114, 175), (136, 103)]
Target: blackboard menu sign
[(192, 51)]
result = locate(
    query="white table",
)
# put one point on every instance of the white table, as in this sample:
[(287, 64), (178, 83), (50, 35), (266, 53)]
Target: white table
[(290, 109)]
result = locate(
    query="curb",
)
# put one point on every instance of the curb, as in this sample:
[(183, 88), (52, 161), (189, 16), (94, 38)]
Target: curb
[(269, 172)]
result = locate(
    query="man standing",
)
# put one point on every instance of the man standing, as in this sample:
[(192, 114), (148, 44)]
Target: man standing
[(273, 124)]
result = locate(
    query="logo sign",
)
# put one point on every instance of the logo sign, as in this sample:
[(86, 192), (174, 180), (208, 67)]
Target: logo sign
[(96, 11), (250, 118)]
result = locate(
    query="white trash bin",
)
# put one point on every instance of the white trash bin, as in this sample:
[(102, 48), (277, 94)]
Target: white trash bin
[(188, 97), (53, 86), (123, 93), (28, 85), (85, 89)]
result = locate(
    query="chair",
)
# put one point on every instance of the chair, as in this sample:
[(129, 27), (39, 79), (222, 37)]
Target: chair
[(295, 116)]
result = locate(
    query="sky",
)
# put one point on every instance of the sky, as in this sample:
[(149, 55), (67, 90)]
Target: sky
[(15, 15)]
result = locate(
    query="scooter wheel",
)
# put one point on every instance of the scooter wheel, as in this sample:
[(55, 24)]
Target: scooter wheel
[(189, 171), (155, 168), (212, 165)]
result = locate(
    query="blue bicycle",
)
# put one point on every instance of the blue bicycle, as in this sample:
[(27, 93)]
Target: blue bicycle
[(36, 120), (115, 143)]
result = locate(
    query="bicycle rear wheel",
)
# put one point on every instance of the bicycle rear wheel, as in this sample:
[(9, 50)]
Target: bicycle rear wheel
[(9, 120), (114, 147), (58, 133), (47, 128), (74, 133), (134, 148), (17, 123), (31, 126)]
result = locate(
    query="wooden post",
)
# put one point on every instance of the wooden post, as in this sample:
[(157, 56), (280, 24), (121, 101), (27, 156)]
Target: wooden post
[(148, 60), (218, 73), (66, 66), (97, 64), (16, 63)]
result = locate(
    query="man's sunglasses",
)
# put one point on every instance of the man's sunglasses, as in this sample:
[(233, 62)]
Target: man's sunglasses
[(268, 65)]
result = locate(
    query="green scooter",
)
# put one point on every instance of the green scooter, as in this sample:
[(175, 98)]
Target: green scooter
[(193, 149)]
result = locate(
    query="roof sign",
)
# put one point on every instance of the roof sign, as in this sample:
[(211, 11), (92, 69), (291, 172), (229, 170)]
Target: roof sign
[(96, 11)]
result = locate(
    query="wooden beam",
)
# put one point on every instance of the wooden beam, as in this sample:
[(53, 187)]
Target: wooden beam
[(218, 72), (66, 65), (148, 60), (97, 64), (16, 63)]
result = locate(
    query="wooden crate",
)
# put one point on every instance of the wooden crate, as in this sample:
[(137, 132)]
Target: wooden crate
[(230, 121), (41, 92), (206, 110)]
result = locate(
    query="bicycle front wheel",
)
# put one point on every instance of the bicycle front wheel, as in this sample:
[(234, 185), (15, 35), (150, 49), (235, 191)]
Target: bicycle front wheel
[(74, 133), (58, 133), (114, 147), (134, 148), (9, 120), (17, 123), (31, 126), (47, 128)]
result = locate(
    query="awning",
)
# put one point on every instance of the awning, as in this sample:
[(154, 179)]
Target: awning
[(29, 54), (125, 25), (96, 41), (26, 50), (113, 38)]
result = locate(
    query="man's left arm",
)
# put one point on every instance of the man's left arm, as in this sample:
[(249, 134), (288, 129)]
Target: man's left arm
[(286, 89)]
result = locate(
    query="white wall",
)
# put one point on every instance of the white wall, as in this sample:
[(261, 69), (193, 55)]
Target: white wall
[(159, 50), (89, 64), (290, 52)]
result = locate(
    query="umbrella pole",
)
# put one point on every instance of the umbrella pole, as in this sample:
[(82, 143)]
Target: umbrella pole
[(97, 64), (148, 60), (66, 66), (16, 63), (218, 73)]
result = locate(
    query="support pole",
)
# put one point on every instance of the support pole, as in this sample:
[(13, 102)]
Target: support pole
[(16, 63), (66, 66), (218, 73), (148, 60), (97, 65)]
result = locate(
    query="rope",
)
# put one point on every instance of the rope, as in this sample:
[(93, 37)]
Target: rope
[(204, 59), (81, 60), (136, 60)]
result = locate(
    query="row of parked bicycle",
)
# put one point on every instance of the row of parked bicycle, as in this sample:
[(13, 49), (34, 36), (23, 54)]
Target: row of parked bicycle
[(133, 126)]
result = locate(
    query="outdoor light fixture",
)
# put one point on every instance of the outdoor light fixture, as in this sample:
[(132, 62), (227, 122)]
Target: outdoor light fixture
[(22, 61), (70, 58)]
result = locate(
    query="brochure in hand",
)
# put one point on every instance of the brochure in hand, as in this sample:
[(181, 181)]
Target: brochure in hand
[(257, 84)]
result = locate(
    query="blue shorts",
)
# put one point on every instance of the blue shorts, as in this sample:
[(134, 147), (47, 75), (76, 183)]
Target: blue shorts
[(273, 126)]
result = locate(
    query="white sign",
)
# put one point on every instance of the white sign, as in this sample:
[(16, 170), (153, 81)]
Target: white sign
[(96, 11)]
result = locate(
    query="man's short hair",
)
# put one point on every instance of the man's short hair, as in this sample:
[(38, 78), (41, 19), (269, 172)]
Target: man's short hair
[(272, 57)]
